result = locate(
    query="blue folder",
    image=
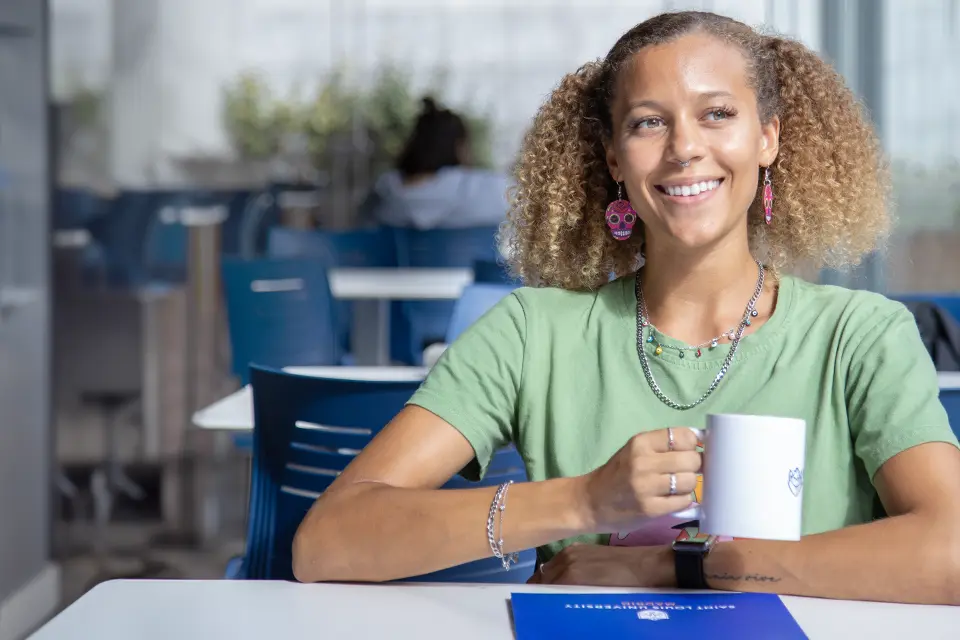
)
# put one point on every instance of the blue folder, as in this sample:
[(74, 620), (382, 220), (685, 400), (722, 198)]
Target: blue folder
[(721, 616)]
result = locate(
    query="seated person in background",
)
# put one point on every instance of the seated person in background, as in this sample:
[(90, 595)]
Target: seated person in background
[(697, 162), (434, 185)]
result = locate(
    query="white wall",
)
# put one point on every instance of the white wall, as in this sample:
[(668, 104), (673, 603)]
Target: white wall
[(80, 48), (923, 80), (29, 582), (171, 58)]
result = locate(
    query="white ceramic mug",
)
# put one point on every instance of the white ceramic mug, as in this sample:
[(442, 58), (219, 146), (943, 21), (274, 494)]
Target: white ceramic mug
[(753, 477)]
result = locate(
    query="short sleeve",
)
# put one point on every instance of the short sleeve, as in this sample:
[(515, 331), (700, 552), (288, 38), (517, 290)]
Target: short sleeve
[(476, 382), (893, 395)]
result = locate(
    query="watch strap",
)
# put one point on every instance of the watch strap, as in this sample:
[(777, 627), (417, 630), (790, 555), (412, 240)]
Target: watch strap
[(688, 561)]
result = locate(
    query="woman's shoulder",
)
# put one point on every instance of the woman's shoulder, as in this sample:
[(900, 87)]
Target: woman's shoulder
[(556, 305), (859, 303), (853, 313)]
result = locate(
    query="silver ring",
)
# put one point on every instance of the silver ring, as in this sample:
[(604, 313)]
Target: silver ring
[(673, 484), (684, 163), (541, 567), (671, 443)]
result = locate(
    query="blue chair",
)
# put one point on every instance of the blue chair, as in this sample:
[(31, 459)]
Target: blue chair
[(307, 430), (166, 238), (119, 235), (286, 242), (140, 240), (357, 248), (951, 402), (446, 247), (428, 321), (948, 301), (475, 301), (251, 215), (369, 248), (493, 272), (260, 214), (75, 208), (279, 313)]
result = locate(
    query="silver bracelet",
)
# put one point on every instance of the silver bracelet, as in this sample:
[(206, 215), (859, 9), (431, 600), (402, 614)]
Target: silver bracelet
[(497, 507)]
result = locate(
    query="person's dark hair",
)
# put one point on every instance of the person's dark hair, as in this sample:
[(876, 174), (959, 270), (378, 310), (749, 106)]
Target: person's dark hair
[(829, 176), (436, 141)]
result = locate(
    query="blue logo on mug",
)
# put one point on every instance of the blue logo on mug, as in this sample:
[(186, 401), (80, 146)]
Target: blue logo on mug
[(795, 481)]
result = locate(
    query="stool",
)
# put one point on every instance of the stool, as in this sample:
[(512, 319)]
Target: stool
[(109, 478)]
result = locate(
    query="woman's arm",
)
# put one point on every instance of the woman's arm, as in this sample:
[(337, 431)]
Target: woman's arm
[(383, 518), (912, 556)]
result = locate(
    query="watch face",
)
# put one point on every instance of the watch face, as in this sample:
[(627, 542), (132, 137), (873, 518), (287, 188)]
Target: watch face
[(697, 542), (692, 533)]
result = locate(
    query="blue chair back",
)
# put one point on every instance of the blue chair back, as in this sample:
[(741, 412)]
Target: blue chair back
[(76, 208), (369, 248), (428, 320), (141, 238), (280, 313), (259, 214), (475, 301), (493, 272), (165, 244), (306, 431), (950, 398), (950, 302), (446, 247), (358, 248), (120, 234), (240, 231), (285, 242), (363, 247)]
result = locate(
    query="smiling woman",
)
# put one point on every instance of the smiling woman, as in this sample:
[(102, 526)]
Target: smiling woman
[(714, 156), (727, 101)]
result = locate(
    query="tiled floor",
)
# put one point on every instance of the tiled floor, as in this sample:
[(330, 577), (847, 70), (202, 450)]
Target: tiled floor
[(132, 553), (135, 544)]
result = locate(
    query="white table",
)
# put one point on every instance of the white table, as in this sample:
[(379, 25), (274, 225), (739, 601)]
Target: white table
[(71, 238), (372, 290), (949, 380), (235, 412), (255, 610)]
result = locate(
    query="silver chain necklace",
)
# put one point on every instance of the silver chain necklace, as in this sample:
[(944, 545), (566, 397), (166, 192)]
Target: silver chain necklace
[(643, 321)]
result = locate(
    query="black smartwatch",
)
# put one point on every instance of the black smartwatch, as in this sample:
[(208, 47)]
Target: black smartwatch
[(688, 557)]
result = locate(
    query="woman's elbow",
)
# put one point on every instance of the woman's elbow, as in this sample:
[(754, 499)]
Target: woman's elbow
[(951, 566), (317, 553), (307, 562)]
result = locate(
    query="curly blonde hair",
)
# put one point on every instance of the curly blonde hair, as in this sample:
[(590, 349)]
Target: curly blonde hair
[(829, 177)]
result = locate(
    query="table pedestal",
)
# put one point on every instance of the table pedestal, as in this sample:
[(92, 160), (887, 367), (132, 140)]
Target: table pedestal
[(370, 332)]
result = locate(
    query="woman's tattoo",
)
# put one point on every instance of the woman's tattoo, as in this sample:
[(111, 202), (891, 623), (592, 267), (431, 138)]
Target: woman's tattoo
[(749, 577)]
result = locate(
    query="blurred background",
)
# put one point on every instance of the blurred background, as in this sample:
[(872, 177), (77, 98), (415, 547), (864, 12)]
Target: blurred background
[(161, 159)]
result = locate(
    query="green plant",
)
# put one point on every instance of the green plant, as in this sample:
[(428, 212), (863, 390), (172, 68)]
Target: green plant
[(329, 113), (252, 119), (480, 128), (256, 122), (86, 106), (390, 111)]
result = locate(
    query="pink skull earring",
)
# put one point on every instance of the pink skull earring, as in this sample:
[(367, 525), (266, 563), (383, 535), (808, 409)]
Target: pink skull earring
[(620, 216), (767, 196)]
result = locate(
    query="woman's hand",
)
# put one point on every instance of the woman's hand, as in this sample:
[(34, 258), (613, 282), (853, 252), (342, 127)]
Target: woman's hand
[(602, 566), (635, 484)]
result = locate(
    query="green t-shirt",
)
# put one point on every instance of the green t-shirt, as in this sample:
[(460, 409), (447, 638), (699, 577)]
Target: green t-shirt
[(557, 373)]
